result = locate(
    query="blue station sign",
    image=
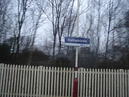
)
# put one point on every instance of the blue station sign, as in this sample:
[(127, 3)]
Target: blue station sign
[(77, 41)]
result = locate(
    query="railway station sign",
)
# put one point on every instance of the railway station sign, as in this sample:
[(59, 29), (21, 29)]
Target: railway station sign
[(77, 41)]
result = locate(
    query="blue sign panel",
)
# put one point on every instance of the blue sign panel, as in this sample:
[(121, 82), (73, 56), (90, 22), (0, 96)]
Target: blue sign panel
[(77, 41)]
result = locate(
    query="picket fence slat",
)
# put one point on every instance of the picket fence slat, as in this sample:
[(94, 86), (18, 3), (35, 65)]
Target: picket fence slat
[(128, 83), (1, 77), (84, 87), (39, 81), (72, 81), (4, 80)]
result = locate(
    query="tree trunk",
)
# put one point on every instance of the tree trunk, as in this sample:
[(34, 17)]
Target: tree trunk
[(109, 25), (54, 46), (60, 44)]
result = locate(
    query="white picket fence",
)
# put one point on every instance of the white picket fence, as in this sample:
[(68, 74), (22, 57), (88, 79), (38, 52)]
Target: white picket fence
[(39, 81)]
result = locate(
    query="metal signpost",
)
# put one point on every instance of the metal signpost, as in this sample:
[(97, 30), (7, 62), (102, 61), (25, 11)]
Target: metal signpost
[(77, 42)]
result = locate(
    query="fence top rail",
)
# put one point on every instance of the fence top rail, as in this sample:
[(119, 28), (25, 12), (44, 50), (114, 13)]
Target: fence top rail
[(68, 69)]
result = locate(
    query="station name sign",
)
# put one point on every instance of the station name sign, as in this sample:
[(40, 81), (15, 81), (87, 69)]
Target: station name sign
[(77, 41)]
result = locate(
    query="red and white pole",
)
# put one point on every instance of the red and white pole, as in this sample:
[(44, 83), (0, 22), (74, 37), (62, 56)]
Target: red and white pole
[(75, 83), (75, 88)]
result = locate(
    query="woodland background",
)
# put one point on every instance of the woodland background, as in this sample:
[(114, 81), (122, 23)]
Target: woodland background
[(32, 32)]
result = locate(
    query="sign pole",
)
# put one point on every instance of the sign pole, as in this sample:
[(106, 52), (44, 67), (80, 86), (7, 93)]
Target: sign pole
[(75, 83), (76, 62)]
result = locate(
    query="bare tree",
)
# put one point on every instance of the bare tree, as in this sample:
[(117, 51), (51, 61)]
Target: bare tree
[(36, 20), (112, 9), (63, 24), (62, 18), (4, 9), (22, 7)]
